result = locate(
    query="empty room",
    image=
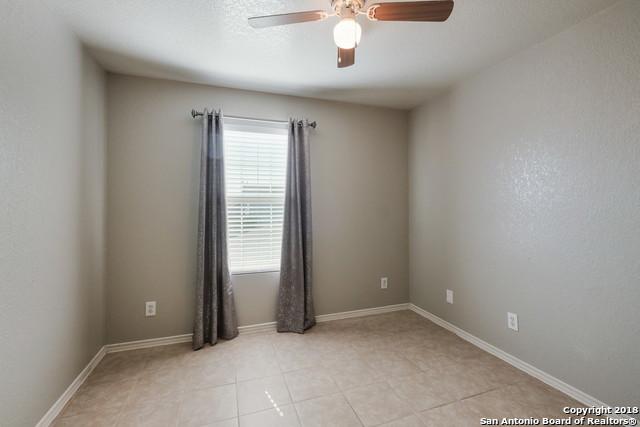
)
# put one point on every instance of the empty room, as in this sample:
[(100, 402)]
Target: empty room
[(319, 213)]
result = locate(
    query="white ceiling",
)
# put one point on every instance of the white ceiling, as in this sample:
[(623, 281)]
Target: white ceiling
[(397, 64)]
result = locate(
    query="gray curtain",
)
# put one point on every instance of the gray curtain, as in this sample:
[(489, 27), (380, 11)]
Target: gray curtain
[(215, 307), (295, 300)]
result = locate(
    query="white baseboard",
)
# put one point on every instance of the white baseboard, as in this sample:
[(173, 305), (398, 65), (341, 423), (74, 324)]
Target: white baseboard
[(546, 378), (251, 329), (257, 328), (271, 326), (360, 313), (152, 342), (59, 405)]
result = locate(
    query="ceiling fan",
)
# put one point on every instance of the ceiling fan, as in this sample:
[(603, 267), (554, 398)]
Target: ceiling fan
[(347, 32)]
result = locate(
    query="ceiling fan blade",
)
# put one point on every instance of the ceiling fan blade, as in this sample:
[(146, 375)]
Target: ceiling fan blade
[(346, 57), (430, 11), (287, 18)]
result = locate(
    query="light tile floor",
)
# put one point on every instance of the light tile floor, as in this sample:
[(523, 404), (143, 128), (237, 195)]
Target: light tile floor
[(395, 369)]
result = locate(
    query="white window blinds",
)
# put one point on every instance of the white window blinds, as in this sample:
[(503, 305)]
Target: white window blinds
[(255, 167)]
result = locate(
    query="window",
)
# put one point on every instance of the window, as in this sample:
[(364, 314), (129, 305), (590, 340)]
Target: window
[(255, 167)]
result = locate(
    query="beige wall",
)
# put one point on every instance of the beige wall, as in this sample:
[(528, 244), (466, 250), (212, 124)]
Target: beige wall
[(525, 197), (359, 190), (52, 176)]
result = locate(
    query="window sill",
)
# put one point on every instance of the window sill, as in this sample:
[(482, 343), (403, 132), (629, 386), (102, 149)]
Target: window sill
[(242, 273)]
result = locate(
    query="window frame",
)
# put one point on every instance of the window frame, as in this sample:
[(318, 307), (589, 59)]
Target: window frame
[(262, 127)]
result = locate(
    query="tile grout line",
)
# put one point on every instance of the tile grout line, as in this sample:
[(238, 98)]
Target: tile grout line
[(235, 387), (295, 409), (290, 396), (286, 385), (352, 408), (413, 411), (293, 403), (484, 392), (122, 409), (275, 354), (344, 396), (180, 402)]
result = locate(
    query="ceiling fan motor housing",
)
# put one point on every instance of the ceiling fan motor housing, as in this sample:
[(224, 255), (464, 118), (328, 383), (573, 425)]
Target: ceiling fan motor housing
[(347, 8)]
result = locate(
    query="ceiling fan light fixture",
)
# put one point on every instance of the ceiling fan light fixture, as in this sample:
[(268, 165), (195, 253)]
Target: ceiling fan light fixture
[(347, 33)]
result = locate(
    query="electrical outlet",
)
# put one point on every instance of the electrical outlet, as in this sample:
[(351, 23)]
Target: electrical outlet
[(449, 296), (384, 282), (512, 321), (150, 308)]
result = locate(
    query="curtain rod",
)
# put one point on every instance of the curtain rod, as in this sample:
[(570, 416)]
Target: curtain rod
[(195, 114)]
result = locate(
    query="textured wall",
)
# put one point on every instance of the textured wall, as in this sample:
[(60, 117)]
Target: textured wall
[(525, 197), (52, 142), (359, 190)]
